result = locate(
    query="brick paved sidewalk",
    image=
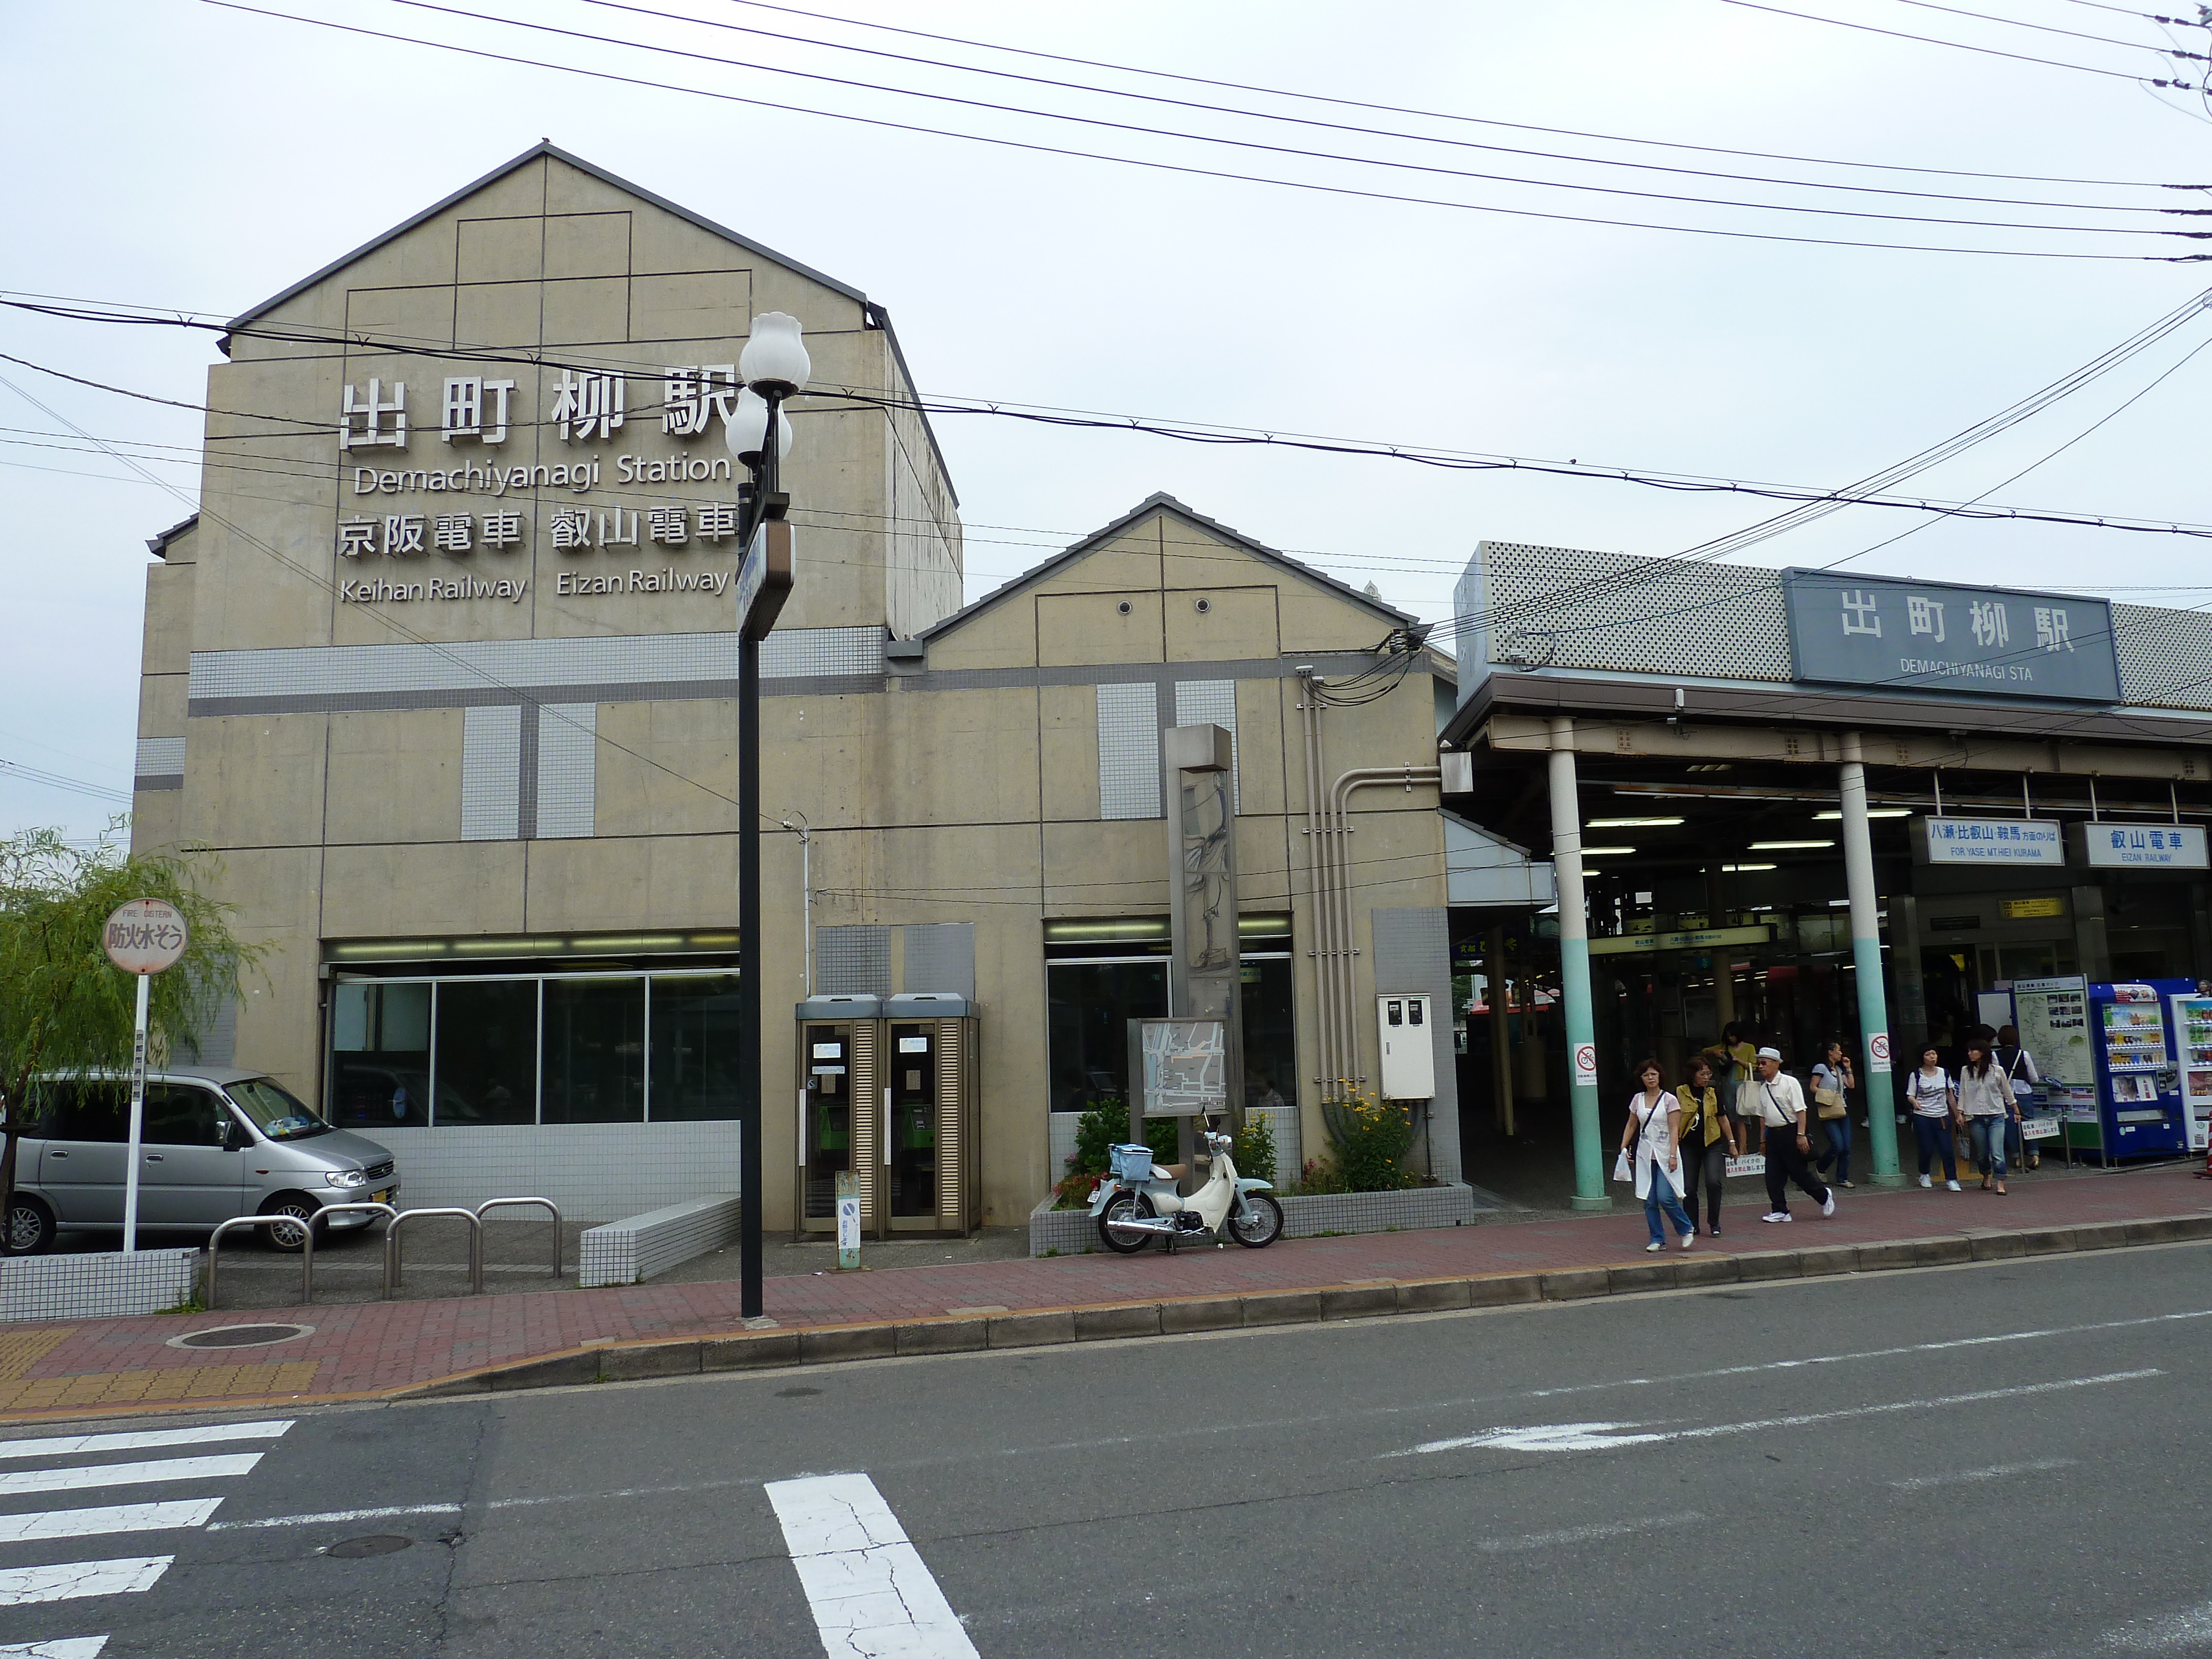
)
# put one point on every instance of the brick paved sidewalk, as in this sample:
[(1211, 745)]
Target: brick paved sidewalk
[(358, 1351)]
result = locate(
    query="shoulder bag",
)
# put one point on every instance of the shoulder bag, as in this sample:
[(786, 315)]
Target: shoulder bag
[(1829, 1098)]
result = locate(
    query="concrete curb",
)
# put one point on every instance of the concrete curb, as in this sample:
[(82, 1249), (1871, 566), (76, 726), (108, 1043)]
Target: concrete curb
[(619, 1362)]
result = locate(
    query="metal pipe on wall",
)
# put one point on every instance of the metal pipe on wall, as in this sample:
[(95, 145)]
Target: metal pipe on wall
[(1340, 829), (1310, 710)]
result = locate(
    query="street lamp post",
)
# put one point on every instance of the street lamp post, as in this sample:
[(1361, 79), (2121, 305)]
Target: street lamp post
[(773, 366)]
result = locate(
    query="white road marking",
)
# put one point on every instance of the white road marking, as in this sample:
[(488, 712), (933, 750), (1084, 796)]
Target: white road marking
[(75, 1445), (1994, 1471), (65, 1581), (2186, 1629), (331, 1516), (117, 1518), (20, 1481), (1589, 1535), (69, 1647), (870, 1593), (1605, 1437)]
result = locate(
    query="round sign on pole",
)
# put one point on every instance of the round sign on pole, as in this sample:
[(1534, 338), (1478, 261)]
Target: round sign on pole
[(1586, 1062), (145, 936)]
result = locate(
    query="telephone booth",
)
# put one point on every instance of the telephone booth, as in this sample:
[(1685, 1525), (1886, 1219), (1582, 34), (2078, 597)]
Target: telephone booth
[(840, 1041), (887, 1089)]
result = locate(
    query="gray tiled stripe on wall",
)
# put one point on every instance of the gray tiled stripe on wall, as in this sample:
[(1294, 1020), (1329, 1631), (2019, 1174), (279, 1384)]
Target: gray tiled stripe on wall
[(160, 764), (854, 961), (568, 762), (491, 773), (1130, 750), (1413, 954), (1213, 702)]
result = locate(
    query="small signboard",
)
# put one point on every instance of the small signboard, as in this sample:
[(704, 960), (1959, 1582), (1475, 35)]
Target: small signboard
[(764, 578), (1990, 841), (1883, 635), (1182, 1066), (145, 936), (2038, 1128), (2031, 909), (1750, 1163), (2141, 846)]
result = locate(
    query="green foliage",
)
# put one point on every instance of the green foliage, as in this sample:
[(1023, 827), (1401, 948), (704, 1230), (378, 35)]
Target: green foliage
[(1099, 1129), (1253, 1148), (63, 1007), (1368, 1141)]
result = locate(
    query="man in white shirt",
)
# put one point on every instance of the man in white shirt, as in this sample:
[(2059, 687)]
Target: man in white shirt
[(1789, 1141)]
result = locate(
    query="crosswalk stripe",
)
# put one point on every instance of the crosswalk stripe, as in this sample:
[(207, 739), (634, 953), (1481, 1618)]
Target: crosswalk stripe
[(867, 1585), (114, 1517), (125, 1474), (69, 1647), (72, 1445), (66, 1581)]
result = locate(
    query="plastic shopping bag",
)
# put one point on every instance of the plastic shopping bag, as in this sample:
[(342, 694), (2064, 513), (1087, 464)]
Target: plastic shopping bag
[(1621, 1172)]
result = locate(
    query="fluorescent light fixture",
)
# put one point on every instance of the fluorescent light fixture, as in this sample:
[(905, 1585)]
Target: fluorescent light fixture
[(1605, 852), (1788, 845), (1733, 869), (1832, 816), (1634, 824)]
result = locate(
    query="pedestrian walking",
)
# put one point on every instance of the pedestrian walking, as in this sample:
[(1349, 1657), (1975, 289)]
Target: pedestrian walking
[(1789, 1138), (1654, 1131), (1986, 1102), (2021, 1073), (1935, 1107), (1707, 1141), (1743, 1077), (1833, 1083)]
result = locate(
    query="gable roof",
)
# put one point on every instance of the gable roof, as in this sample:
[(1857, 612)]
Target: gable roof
[(159, 545), (877, 316), (1164, 502)]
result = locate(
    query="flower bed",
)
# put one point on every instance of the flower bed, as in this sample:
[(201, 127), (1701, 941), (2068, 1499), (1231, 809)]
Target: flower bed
[(1305, 1215)]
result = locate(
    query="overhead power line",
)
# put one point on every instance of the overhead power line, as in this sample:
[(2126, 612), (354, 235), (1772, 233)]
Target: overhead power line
[(1444, 115), (58, 780), (1191, 171), (1364, 131), (2047, 28), (1960, 45)]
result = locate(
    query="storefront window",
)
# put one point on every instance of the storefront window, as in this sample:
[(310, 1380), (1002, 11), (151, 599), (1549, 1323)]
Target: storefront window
[(379, 1055), (487, 1052), (1271, 1049), (694, 1047), (1092, 1003), (594, 1051)]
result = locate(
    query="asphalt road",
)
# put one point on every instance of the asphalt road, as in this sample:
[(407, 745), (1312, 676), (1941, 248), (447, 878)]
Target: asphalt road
[(2002, 1459)]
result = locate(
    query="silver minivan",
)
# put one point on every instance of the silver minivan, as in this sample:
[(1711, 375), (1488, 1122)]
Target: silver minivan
[(215, 1142)]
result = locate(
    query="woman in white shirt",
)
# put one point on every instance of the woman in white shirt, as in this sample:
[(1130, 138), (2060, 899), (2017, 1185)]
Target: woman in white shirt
[(1986, 1102), (1654, 1132), (1934, 1103)]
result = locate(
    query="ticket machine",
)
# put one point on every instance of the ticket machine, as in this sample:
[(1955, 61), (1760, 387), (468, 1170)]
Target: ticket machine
[(887, 1089)]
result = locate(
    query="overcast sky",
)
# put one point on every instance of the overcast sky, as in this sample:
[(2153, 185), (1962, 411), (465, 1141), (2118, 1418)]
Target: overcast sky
[(173, 153)]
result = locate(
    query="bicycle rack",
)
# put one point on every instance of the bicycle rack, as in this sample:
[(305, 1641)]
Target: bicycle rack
[(384, 1210), (510, 1203), (392, 1247), (307, 1249)]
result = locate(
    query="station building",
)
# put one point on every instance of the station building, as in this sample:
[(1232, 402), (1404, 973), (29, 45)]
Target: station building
[(441, 678)]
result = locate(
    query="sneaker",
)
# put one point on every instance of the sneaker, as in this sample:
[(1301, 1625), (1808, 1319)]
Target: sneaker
[(1828, 1204), (1653, 1245), (1927, 1181), (1848, 1186), (1955, 1185), (1712, 1232), (1775, 1215), (1688, 1239)]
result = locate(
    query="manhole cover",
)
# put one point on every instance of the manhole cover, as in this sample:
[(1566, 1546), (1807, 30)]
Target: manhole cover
[(242, 1336), (382, 1543)]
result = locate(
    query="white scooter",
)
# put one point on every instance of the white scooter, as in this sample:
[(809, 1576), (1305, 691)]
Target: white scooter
[(1138, 1203)]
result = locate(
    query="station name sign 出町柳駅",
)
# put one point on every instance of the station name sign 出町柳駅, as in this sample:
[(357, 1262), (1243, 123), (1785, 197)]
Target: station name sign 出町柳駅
[(656, 496), (1879, 634)]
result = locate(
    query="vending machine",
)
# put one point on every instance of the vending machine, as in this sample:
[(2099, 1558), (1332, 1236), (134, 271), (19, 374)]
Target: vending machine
[(2192, 1044), (2139, 1103)]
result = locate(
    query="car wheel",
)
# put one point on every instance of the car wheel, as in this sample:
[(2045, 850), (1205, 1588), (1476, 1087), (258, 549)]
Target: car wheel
[(30, 1226), (290, 1240)]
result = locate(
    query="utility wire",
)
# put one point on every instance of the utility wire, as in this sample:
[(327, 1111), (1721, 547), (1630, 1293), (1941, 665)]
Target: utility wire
[(1190, 171), (2046, 28), (1442, 115), (1141, 130), (1960, 45), (1349, 127), (57, 780)]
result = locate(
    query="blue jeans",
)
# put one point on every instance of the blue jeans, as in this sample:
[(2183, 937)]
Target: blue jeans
[(1933, 1135), (1839, 1147), (1662, 1198), (1989, 1134)]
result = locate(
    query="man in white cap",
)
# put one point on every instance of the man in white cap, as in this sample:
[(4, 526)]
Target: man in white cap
[(1782, 1109)]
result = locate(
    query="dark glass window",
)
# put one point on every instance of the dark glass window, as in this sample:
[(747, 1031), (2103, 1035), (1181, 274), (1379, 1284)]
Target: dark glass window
[(1088, 1023), (695, 1048), (594, 1051), (182, 1114), (1271, 1047), (487, 1052), (87, 1111), (379, 1055)]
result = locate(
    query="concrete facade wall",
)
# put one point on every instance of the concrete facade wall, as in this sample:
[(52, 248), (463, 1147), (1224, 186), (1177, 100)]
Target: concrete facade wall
[(328, 783)]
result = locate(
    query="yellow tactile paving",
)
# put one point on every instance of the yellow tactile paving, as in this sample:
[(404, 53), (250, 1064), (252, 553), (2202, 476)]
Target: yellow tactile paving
[(169, 1382), (20, 1349)]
